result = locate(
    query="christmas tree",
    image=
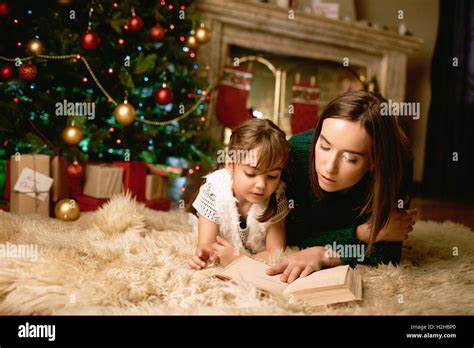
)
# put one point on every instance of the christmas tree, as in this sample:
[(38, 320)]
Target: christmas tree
[(103, 80)]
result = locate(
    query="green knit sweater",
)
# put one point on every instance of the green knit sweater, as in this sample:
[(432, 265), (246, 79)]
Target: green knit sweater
[(314, 222)]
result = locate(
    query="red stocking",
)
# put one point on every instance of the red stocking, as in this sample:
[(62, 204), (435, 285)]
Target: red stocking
[(231, 108), (305, 103)]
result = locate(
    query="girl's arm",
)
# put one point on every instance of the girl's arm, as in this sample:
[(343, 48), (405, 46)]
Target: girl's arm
[(276, 239), (207, 234)]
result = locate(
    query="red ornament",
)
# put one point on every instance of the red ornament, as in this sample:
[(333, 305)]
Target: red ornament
[(4, 9), (135, 23), (157, 33), (75, 170), (28, 72), (90, 40), (163, 96), (6, 72)]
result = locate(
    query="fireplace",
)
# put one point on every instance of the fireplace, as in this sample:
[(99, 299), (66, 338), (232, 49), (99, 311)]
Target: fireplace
[(302, 46)]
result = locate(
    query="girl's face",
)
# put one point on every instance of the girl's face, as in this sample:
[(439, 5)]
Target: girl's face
[(250, 184), (341, 154)]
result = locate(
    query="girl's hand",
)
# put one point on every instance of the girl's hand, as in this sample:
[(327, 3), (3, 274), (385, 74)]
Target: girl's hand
[(303, 263), (201, 257), (225, 251)]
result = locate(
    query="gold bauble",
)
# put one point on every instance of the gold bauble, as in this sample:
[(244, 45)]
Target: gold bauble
[(202, 35), (67, 210), (64, 2), (35, 46), (72, 135), (192, 42), (124, 114)]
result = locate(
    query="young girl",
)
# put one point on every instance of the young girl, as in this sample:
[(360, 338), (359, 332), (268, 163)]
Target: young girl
[(241, 208)]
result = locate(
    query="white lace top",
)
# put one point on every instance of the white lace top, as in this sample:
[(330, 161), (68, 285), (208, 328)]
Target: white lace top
[(216, 203)]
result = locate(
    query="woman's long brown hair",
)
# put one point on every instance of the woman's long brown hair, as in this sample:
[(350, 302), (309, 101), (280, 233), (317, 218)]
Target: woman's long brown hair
[(388, 144)]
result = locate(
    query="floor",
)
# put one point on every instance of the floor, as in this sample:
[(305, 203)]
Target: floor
[(441, 210)]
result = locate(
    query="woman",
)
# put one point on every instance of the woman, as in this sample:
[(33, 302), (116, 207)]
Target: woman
[(347, 182)]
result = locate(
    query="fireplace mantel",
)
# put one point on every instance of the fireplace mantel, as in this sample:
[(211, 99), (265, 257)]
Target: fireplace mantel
[(272, 29)]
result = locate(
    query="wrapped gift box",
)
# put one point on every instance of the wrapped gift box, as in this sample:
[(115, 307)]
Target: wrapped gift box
[(89, 204), (159, 204), (3, 176), (6, 194), (22, 202), (156, 187), (134, 176), (103, 181), (59, 174)]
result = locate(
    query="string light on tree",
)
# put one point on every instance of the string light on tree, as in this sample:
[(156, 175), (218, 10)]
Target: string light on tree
[(35, 46), (6, 72), (4, 9)]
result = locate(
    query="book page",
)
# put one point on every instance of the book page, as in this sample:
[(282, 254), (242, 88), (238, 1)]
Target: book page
[(330, 277), (249, 270)]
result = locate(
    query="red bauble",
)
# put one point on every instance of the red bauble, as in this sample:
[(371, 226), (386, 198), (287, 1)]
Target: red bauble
[(163, 96), (90, 40), (135, 23), (6, 72), (28, 72), (4, 9), (157, 33), (75, 170)]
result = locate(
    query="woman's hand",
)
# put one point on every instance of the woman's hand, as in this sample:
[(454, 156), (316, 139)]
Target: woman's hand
[(201, 257), (303, 263), (399, 226), (225, 251)]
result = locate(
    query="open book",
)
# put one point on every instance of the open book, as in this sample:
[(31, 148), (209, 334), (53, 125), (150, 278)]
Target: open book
[(328, 286)]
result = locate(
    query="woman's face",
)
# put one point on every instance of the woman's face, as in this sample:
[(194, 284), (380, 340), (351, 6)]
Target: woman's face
[(341, 154)]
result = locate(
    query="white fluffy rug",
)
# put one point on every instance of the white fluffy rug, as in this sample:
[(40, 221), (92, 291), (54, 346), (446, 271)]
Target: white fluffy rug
[(127, 259)]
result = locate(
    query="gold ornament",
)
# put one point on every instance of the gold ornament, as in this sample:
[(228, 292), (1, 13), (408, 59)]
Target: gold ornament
[(67, 210), (192, 42), (124, 114), (202, 34), (72, 135), (64, 2), (35, 46)]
